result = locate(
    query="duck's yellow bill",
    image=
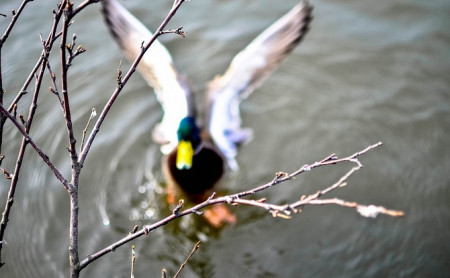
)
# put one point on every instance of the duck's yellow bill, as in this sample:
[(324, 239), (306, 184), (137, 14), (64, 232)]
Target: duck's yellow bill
[(185, 154)]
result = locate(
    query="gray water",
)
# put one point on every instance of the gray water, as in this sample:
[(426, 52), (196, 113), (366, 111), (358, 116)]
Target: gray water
[(368, 71)]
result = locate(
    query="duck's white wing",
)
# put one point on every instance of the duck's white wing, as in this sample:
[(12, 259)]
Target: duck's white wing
[(156, 67), (247, 71)]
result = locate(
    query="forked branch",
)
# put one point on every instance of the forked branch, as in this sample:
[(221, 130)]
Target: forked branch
[(284, 211), (177, 4)]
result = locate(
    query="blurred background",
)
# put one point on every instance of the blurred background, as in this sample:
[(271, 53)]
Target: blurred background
[(368, 71)]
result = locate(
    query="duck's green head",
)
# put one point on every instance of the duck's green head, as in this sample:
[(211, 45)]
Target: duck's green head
[(188, 140)]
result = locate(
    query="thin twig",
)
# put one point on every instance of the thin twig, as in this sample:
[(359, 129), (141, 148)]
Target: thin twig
[(93, 114), (286, 211), (133, 260), (73, 52), (14, 18), (197, 245), (7, 175), (43, 57), (371, 211), (82, 6), (41, 153), (54, 88), (178, 31)]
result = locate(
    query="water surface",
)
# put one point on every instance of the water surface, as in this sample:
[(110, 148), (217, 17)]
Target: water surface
[(368, 71)]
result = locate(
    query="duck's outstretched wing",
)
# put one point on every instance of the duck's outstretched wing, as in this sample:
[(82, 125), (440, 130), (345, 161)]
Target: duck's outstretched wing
[(247, 71), (156, 67)]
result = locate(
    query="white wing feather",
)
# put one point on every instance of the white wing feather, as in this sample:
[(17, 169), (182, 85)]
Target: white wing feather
[(156, 67), (247, 71)]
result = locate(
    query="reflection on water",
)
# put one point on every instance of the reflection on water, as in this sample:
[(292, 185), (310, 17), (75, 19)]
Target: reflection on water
[(368, 71)]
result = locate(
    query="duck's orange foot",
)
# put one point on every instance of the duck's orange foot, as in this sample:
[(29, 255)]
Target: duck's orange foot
[(171, 196), (218, 215)]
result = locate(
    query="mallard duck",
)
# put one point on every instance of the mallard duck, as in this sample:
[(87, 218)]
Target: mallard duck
[(195, 159)]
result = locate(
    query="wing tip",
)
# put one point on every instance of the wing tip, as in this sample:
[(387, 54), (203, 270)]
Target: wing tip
[(108, 13), (304, 14)]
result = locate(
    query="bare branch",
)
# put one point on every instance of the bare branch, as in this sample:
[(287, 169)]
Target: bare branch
[(44, 56), (15, 16), (76, 167), (64, 88), (371, 211), (54, 89), (82, 6), (25, 130), (93, 114), (284, 211), (7, 175), (119, 75), (178, 207), (125, 79), (73, 53), (68, 52), (30, 141), (197, 245), (178, 31), (133, 260)]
